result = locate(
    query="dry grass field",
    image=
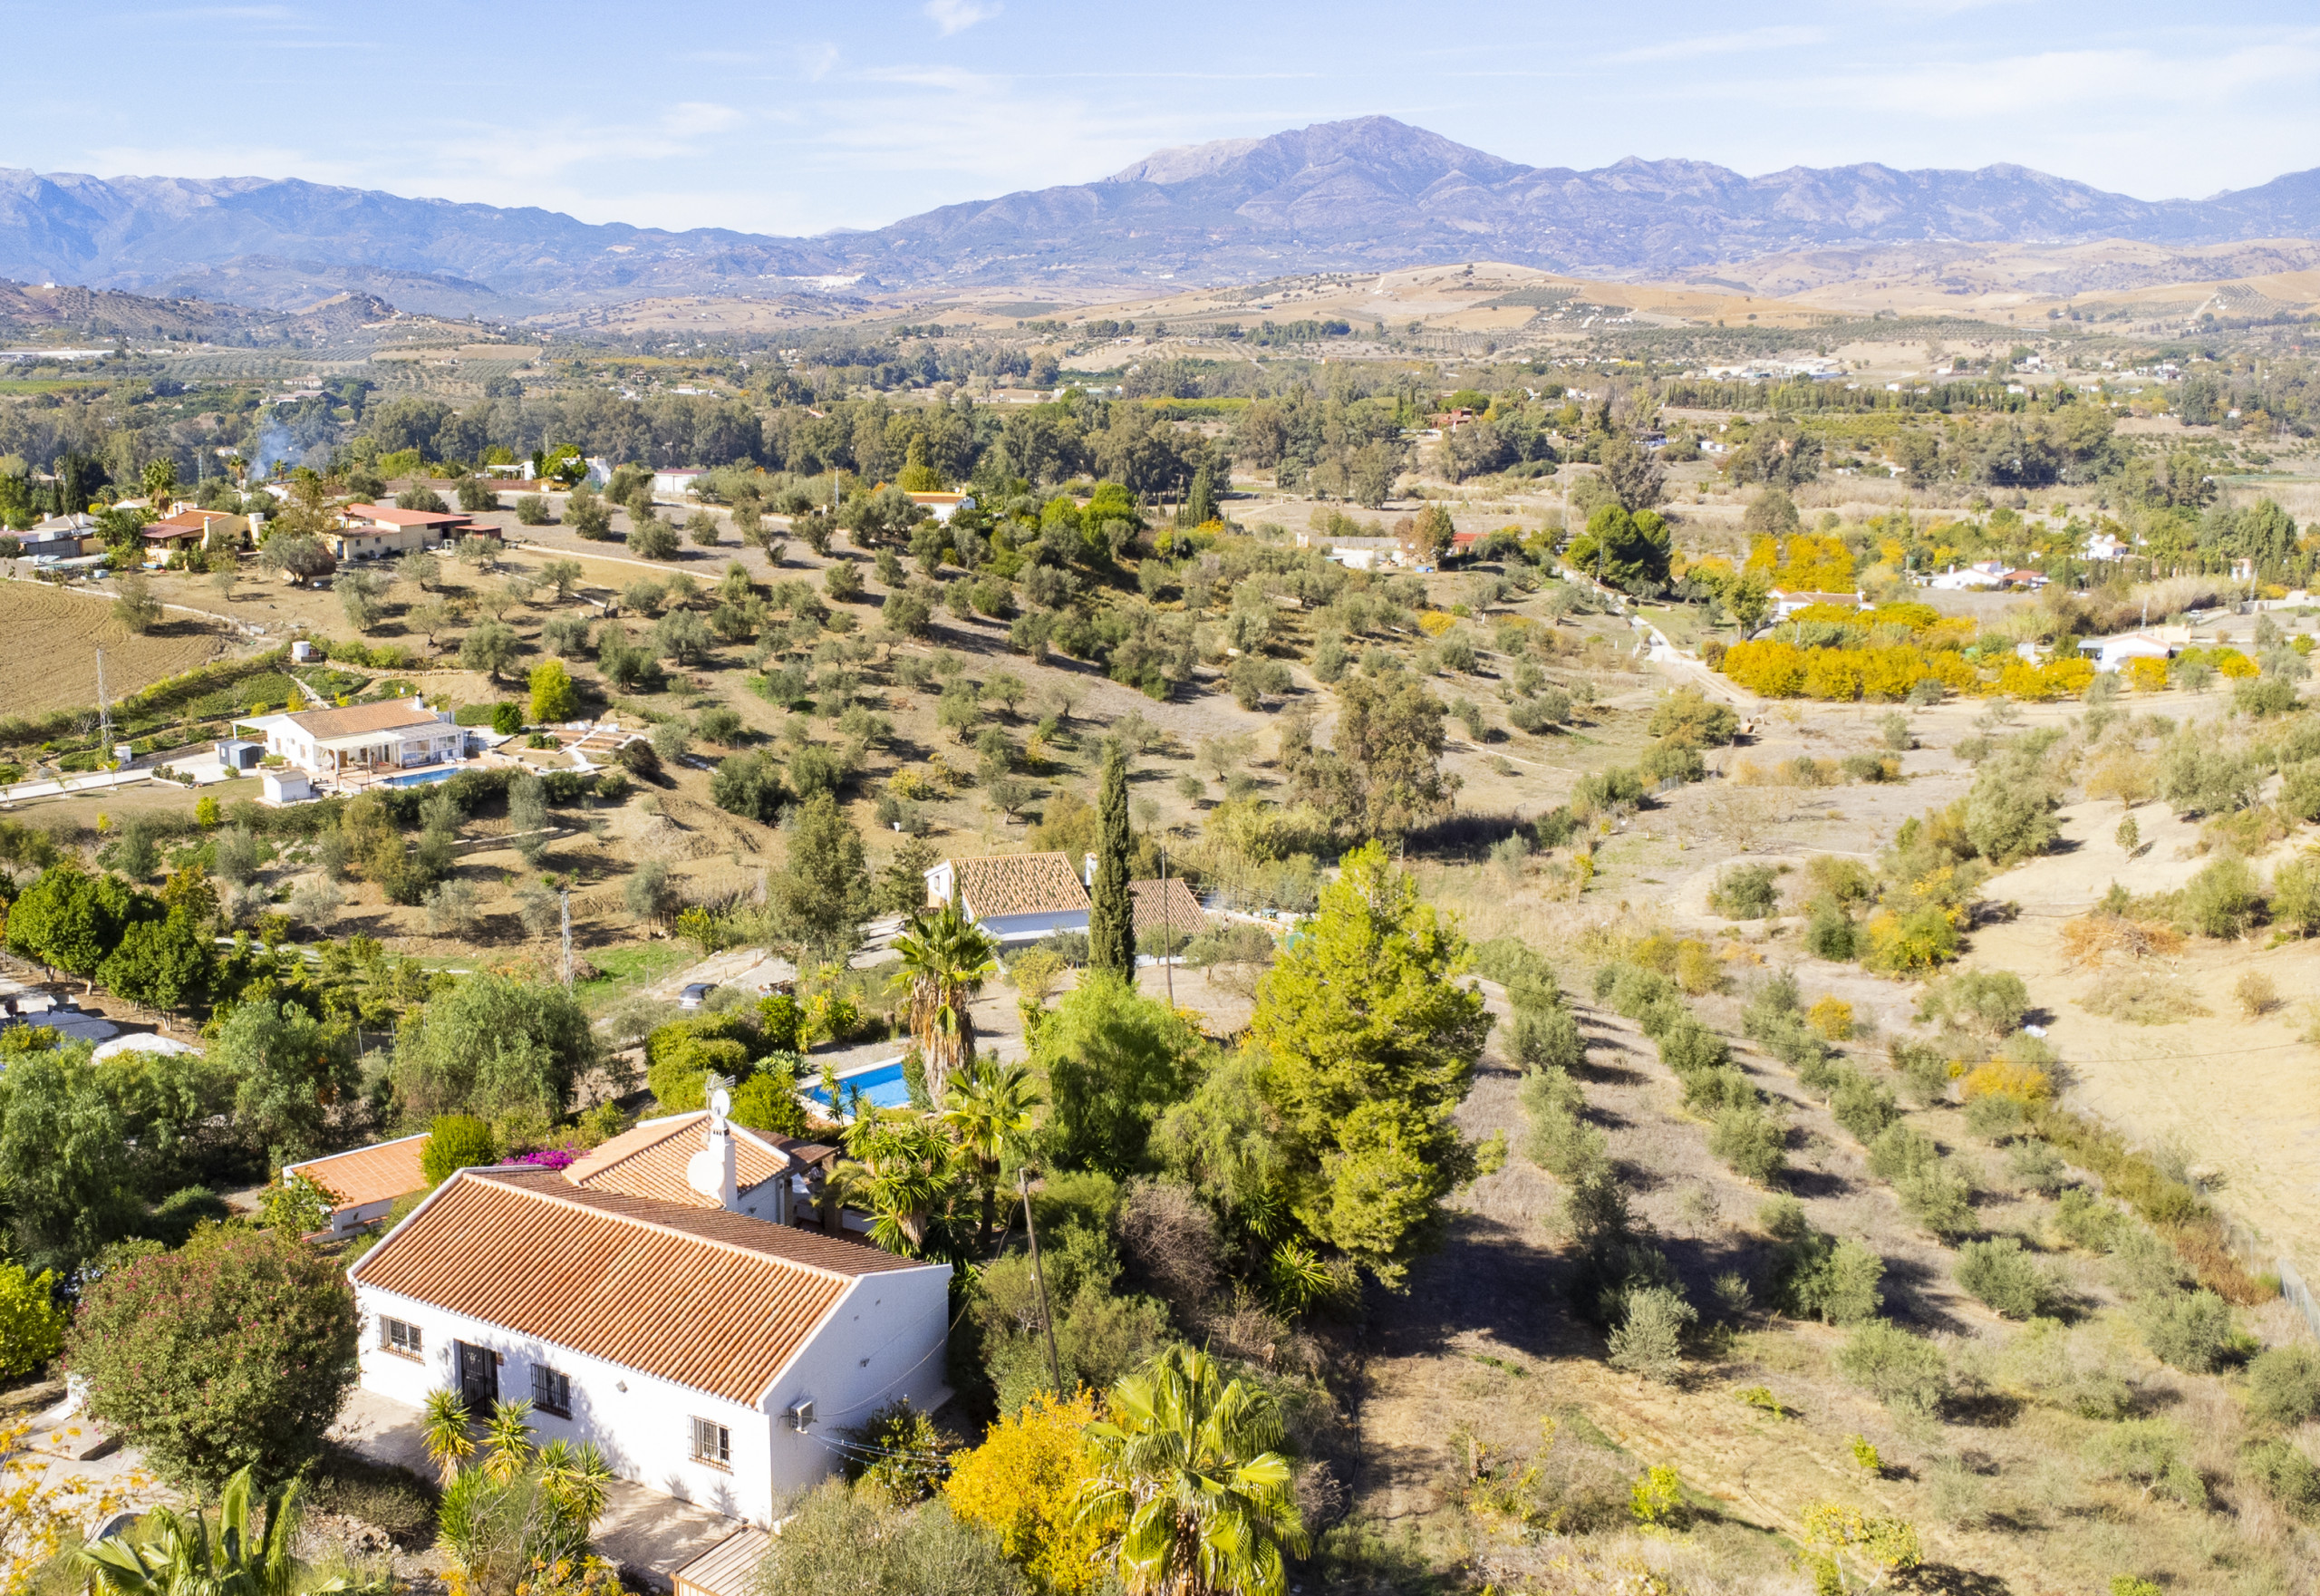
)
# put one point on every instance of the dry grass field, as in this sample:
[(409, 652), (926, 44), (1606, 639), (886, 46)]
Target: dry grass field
[(49, 640)]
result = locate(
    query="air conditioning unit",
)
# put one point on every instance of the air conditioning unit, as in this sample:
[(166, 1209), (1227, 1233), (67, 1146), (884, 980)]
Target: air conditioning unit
[(800, 1417)]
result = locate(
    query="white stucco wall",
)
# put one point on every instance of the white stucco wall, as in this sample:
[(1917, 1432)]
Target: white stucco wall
[(884, 1337), (645, 1430), (1031, 927)]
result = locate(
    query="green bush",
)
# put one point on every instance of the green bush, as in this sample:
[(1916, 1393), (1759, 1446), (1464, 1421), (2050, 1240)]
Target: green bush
[(2286, 1476), (456, 1142), (2190, 1330), (2086, 1219), (2149, 1453), (1549, 1040), (1746, 891), (1671, 759), (2003, 1277), (1938, 1196), (1816, 1276), (1865, 1107), (234, 1351), (2225, 899), (1993, 1118), (2283, 1386), (1924, 1071), (1688, 1048), (1749, 1142), (1905, 1372)]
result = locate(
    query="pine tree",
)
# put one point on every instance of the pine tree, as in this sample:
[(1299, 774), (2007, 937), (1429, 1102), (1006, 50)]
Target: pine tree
[(1111, 919)]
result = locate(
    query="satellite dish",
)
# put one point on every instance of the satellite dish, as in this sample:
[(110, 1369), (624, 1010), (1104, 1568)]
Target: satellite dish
[(720, 1102)]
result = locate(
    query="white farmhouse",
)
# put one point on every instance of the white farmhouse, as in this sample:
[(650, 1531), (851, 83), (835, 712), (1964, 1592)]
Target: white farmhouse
[(400, 734), (1016, 897), (710, 1354)]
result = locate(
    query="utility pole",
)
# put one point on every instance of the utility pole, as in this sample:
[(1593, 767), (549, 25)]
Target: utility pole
[(567, 939), (104, 716), (1167, 937), (1055, 1363)]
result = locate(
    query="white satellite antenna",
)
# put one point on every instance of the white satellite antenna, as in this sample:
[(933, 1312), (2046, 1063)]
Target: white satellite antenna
[(720, 1104)]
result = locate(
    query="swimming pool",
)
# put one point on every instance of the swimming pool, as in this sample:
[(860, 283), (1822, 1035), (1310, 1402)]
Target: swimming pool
[(881, 1083), (418, 778)]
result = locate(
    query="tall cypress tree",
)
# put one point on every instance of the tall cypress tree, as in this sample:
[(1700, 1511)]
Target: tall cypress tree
[(1111, 917)]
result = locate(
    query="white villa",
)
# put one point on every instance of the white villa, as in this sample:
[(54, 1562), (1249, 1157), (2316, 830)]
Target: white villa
[(1016, 897), (400, 734), (1022, 897), (638, 1304)]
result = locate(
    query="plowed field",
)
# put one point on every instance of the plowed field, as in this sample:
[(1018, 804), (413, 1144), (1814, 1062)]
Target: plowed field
[(49, 640)]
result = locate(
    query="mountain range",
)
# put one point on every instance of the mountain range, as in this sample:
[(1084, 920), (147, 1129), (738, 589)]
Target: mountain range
[(1357, 195)]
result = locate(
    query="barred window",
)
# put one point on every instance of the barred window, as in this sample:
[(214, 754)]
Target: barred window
[(551, 1392), (396, 1336), (712, 1443)]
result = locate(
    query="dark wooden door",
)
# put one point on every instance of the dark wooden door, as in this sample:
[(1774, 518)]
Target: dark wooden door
[(479, 1378)]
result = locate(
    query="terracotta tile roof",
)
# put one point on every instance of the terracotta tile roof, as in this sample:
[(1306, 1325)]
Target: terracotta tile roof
[(701, 1297), (649, 1160), (387, 515), (192, 521), (1019, 883), (377, 1174), (1184, 911), (356, 719)]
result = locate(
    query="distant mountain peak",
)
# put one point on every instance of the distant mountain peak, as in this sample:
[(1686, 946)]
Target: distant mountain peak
[(1363, 193), (1183, 162)]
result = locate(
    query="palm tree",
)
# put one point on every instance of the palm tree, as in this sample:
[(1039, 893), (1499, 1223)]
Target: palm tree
[(189, 1561), (900, 1171), (1190, 1483), (989, 1114), (449, 1442), (508, 1436), (946, 958)]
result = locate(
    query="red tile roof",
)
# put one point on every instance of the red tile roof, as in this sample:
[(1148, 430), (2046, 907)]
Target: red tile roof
[(355, 719), (1183, 913), (378, 1174), (700, 1297), (649, 1160), (390, 516), (1019, 883)]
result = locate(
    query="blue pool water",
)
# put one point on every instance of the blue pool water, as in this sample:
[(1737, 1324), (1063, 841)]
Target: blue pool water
[(881, 1083), (421, 778)]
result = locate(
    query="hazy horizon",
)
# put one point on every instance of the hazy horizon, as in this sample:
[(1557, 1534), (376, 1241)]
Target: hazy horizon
[(787, 122)]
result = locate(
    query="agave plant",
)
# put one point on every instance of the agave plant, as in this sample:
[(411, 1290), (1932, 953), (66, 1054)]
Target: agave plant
[(187, 1559)]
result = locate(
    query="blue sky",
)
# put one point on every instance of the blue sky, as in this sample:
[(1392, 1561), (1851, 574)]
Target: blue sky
[(789, 118)]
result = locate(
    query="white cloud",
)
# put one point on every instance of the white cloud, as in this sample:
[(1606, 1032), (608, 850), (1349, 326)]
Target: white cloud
[(956, 16), (1783, 38)]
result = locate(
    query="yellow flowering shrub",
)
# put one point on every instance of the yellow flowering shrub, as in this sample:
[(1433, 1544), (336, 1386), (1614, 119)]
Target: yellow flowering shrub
[(2001, 1077), (1831, 1017), (1434, 623), (2147, 675), (1021, 1483)]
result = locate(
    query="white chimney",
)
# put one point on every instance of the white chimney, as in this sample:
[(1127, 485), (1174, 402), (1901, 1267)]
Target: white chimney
[(715, 1170), (1089, 869)]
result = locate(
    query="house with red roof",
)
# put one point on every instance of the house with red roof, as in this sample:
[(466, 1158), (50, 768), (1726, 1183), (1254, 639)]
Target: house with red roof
[(713, 1353), (379, 531)]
